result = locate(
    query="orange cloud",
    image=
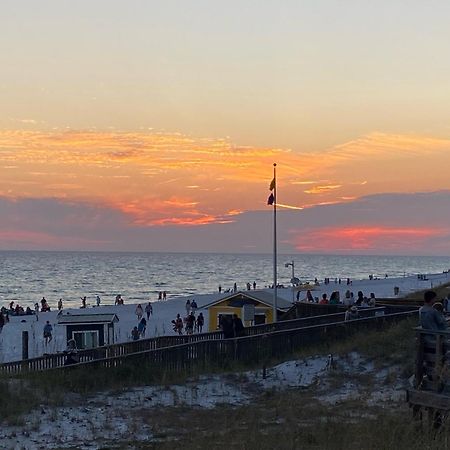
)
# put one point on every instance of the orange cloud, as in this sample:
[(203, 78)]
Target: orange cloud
[(368, 238), (148, 170)]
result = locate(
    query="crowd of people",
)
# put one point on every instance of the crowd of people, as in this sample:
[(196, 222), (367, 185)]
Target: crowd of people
[(191, 323), (335, 299), (139, 330)]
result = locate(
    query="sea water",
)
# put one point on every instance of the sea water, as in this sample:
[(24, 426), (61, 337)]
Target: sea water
[(26, 277)]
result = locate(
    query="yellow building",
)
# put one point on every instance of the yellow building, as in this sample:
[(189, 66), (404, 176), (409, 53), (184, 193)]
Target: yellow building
[(253, 307)]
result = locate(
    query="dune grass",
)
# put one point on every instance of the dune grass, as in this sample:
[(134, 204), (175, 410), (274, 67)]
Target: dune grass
[(393, 345)]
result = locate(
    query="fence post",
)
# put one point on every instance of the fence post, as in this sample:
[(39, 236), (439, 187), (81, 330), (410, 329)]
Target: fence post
[(24, 344)]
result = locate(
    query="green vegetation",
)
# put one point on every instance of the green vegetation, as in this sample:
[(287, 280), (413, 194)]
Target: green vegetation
[(18, 396), (442, 291)]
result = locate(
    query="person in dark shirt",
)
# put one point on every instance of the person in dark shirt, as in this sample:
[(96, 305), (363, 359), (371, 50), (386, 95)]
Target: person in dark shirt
[(238, 326), (431, 318)]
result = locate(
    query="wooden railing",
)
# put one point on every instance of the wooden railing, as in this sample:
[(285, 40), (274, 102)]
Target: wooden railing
[(431, 388), (256, 348), (118, 351)]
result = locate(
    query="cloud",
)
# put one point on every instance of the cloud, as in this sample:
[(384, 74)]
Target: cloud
[(139, 174), (379, 224), (369, 238)]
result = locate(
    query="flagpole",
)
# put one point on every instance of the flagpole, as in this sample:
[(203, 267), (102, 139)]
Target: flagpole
[(275, 245)]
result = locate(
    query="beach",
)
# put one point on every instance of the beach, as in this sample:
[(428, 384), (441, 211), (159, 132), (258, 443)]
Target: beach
[(164, 312)]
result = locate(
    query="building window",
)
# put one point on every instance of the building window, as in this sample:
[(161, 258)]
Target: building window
[(86, 339), (260, 318)]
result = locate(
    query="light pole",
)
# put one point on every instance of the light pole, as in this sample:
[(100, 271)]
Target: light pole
[(293, 280)]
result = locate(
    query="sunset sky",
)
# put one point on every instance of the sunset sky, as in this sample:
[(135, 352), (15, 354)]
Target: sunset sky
[(153, 126)]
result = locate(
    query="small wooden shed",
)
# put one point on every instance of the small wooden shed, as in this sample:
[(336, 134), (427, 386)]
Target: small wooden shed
[(253, 307), (89, 330)]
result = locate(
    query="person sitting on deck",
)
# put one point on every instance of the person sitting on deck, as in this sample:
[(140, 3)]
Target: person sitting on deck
[(429, 317), (351, 313), (334, 298), (323, 300)]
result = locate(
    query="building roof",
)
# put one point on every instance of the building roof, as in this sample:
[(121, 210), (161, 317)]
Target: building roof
[(261, 296), (87, 318)]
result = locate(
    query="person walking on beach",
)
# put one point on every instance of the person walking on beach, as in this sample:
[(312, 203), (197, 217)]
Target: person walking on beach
[(2, 321), (220, 288), (178, 325), (142, 326), (188, 306), (97, 300), (160, 295), (194, 306), (48, 332), (164, 295), (60, 304), (234, 287), (254, 285), (83, 302), (135, 334), (36, 311), (200, 322), (139, 311), (149, 310)]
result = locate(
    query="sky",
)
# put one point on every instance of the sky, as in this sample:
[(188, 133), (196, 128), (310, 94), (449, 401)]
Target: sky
[(154, 126)]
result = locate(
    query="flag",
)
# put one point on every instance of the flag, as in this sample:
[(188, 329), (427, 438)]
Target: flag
[(272, 185), (271, 199)]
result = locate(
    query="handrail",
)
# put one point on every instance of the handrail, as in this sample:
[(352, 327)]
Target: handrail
[(166, 341), (237, 341), (136, 347)]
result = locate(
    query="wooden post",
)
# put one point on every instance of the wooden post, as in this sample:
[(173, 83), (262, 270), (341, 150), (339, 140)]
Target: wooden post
[(438, 366), (24, 344), (419, 360)]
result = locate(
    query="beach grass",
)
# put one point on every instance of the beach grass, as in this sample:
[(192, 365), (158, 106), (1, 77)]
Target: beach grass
[(392, 345)]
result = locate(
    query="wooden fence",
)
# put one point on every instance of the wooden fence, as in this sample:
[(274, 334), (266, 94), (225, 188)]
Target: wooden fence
[(210, 344), (249, 349)]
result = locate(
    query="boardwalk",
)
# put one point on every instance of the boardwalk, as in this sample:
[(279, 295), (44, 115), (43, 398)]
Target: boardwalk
[(182, 352)]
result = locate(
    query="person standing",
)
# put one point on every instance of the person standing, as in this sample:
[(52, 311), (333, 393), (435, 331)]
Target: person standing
[(254, 285), (149, 310), (139, 312), (200, 322), (220, 288), (188, 306), (97, 300), (48, 329), (36, 311), (142, 326), (83, 302), (164, 295), (60, 304), (430, 318), (194, 306), (2, 321), (238, 326)]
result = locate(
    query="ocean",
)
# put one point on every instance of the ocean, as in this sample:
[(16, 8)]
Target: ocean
[(25, 277)]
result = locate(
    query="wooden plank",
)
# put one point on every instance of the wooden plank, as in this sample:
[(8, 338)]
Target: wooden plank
[(428, 399)]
